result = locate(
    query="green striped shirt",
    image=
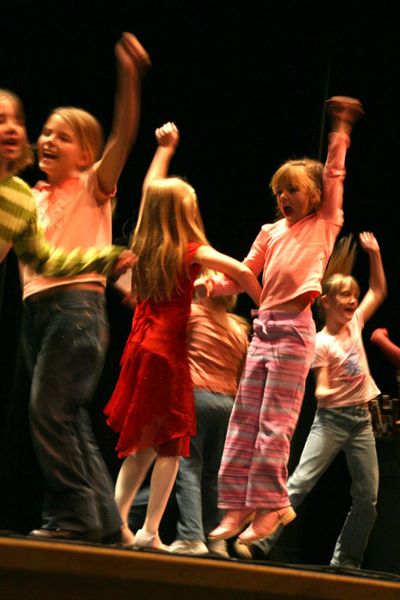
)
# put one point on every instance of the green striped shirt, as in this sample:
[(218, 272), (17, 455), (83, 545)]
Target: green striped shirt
[(19, 227)]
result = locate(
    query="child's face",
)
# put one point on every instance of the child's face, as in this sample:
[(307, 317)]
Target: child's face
[(293, 201), (12, 132), (341, 306), (60, 153)]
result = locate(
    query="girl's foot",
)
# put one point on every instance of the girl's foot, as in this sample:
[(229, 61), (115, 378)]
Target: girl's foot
[(127, 535), (266, 522), (144, 539), (232, 524)]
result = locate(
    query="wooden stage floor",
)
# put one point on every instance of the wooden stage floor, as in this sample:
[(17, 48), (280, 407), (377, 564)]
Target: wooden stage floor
[(31, 570)]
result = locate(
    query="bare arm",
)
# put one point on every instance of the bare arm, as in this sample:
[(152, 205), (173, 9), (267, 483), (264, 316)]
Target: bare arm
[(132, 61), (211, 258), (322, 389), (377, 281), (380, 338), (167, 138)]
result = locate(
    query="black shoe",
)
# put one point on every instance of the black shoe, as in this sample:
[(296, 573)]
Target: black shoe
[(61, 534)]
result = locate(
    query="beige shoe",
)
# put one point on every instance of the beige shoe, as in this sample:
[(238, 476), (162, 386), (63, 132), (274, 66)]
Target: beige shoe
[(144, 539)]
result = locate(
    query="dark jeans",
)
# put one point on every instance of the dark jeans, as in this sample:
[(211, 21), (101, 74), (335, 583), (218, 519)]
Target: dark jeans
[(66, 338)]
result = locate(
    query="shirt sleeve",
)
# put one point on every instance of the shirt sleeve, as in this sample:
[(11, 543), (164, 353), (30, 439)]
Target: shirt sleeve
[(320, 358), (333, 177), (32, 248)]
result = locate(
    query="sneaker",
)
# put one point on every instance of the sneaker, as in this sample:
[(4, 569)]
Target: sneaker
[(194, 547), (218, 547)]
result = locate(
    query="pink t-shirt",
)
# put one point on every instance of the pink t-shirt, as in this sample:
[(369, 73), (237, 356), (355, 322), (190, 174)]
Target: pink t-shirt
[(74, 214), (216, 353), (350, 381), (292, 259)]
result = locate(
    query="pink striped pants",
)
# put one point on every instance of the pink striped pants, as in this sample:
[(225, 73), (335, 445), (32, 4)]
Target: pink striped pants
[(253, 471)]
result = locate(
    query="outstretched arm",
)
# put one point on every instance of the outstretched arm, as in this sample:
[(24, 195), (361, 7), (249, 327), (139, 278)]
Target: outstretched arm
[(377, 281), (132, 62), (344, 112), (380, 338), (32, 248), (211, 258), (167, 138)]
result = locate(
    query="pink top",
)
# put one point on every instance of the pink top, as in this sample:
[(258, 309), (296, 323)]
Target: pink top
[(292, 259), (75, 213), (350, 381), (216, 353)]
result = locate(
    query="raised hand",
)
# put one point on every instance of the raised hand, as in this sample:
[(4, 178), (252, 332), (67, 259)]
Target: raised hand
[(167, 136), (368, 242)]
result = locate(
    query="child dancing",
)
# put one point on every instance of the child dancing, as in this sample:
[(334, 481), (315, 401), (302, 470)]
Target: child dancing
[(292, 254), (152, 406), (344, 387), (18, 215), (217, 345), (66, 329)]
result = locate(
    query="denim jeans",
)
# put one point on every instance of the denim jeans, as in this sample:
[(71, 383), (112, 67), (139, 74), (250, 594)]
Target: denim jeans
[(197, 481), (66, 338), (334, 429)]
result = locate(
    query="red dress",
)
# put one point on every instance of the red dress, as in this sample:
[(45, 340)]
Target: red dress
[(153, 401)]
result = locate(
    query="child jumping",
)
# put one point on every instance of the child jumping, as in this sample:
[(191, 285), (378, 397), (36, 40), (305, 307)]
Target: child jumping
[(66, 330), (292, 254), (152, 406), (344, 387)]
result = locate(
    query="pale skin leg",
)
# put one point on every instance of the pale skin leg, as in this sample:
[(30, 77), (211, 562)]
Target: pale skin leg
[(130, 478), (162, 481)]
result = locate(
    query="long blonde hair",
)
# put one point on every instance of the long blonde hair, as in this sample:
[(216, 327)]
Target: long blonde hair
[(26, 157), (338, 271), (168, 220)]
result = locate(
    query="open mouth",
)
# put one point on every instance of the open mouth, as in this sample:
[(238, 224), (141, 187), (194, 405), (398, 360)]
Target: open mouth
[(287, 210)]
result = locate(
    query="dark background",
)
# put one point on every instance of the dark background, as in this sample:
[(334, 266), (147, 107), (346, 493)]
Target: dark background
[(246, 83)]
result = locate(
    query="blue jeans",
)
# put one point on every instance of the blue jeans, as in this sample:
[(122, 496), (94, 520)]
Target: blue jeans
[(66, 338), (334, 429), (197, 481)]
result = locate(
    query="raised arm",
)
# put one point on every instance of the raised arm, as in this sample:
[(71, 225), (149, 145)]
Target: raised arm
[(239, 272), (377, 281), (344, 112), (132, 61), (167, 138), (380, 338)]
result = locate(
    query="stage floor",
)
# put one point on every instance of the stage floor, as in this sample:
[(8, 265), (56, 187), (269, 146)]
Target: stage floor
[(31, 569)]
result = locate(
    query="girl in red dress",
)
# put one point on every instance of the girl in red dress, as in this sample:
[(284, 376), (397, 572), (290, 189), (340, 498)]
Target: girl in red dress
[(152, 406)]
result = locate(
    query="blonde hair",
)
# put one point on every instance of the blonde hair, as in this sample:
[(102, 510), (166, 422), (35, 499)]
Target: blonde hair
[(168, 220), (337, 274), (26, 157), (307, 173), (86, 128)]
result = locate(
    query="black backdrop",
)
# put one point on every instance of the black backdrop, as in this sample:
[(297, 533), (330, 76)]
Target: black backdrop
[(246, 83)]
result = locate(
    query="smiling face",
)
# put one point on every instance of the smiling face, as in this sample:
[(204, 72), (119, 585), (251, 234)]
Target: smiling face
[(340, 305), (12, 133), (60, 152)]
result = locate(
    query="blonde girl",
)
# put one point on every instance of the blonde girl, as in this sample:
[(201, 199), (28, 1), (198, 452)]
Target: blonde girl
[(344, 387), (291, 254), (66, 332), (152, 406)]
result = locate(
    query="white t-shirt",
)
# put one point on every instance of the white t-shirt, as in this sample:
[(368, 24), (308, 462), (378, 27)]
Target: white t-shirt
[(349, 379)]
